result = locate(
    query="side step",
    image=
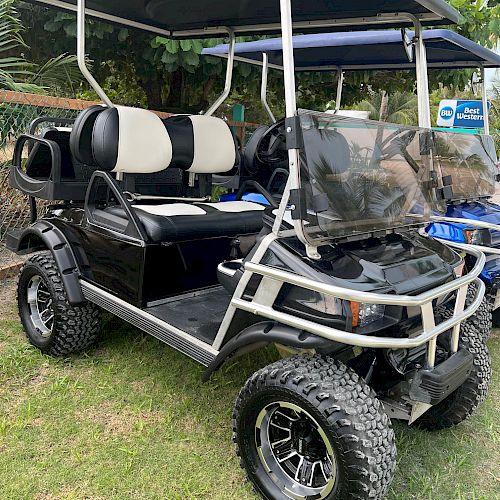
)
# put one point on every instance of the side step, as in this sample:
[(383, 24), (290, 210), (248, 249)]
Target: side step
[(169, 334)]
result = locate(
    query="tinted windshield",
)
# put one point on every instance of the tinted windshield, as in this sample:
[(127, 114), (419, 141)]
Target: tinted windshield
[(470, 161), (362, 176)]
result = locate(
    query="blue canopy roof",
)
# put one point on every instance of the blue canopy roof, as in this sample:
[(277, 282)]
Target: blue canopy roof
[(361, 50)]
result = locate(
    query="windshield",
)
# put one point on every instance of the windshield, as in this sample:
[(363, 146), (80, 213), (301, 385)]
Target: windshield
[(469, 160), (363, 176)]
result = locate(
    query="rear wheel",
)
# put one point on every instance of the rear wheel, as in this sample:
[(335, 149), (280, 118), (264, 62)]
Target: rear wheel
[(50, 322), (309, 427)]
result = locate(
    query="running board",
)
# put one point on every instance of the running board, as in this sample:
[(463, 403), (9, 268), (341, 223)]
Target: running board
[(169, 334)]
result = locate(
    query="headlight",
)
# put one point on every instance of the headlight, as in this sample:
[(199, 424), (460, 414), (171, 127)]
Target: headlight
[(477, 236), (364, 314), (309, 299)]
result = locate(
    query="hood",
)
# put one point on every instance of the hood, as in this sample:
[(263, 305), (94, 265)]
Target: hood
[(403, 264)]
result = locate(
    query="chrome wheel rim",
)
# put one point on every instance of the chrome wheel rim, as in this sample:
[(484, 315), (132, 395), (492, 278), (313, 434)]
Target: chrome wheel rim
[(294, 450), (40, 306)]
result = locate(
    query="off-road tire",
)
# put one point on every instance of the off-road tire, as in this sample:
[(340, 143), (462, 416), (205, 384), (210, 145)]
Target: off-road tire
[(345, 407), (482, 319), (75, 328), (459, 405)]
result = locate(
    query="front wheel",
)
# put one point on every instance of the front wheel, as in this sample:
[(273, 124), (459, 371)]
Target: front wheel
[(309, 427), (482, 319)]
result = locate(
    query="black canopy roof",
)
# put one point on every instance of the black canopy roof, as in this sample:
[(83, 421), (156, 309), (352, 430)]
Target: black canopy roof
[(178, 17)]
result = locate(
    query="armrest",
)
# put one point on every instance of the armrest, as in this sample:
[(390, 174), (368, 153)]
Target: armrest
[(55, 153)]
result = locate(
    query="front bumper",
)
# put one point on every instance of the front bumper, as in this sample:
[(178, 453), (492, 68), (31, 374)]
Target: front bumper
[(433, 386)]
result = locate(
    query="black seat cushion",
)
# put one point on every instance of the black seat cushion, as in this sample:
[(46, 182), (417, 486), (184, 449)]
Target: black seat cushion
[(214, 223)]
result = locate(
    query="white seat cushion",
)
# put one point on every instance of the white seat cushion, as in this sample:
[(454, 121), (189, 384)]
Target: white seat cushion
[(234, 206), (171, 209)]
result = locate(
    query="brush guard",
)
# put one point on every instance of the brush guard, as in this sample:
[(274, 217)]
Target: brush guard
[(261, 304)]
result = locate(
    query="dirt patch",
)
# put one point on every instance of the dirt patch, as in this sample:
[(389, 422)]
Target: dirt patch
[(189, 424), (119, 421), (65, 495), (8, 309)]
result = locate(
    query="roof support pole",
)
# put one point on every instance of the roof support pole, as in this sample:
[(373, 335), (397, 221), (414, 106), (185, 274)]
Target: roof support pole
[(229, 76), (424, 111), (484, 96), (263, 86), (288, 60), (80, 54), (340, 85), (291, 111)]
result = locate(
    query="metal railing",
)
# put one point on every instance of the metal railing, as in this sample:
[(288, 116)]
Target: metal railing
[(262, 305)]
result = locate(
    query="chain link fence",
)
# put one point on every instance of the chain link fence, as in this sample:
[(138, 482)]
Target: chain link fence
[(18, 112)]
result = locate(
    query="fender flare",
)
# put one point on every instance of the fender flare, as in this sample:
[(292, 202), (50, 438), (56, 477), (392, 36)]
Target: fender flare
[(44, 235), (263, 333)]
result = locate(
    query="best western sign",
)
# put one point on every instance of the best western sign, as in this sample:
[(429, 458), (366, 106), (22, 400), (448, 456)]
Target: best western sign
[(461, 114)]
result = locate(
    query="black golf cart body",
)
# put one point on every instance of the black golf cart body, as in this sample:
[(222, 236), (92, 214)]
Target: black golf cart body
[(137, 235)]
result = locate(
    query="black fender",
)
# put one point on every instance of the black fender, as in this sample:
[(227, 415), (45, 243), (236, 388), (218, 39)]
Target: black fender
[(263, 333), (42, 235)]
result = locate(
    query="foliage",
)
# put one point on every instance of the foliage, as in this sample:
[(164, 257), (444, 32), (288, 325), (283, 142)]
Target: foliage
[(401, 107), (122, 87), (171, 75), (480, 20), (13, 70), (495, 114), (16, 73)]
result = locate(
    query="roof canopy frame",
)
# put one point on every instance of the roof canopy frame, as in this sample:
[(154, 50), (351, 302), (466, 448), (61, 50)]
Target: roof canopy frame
[(80, 54), (442, 44)]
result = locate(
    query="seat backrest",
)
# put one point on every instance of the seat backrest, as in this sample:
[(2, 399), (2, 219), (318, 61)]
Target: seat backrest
[(80, 140), (202, 144), (133, 140), (39, 164)]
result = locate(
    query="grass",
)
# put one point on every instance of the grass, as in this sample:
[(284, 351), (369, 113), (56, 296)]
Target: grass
[(131, 419)]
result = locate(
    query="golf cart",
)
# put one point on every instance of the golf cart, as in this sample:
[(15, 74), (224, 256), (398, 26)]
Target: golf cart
[(351, 298), (467, 163)]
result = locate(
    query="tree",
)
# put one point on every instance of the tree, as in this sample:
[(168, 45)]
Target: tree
[(495, 114), (399, 107), (480, 20)]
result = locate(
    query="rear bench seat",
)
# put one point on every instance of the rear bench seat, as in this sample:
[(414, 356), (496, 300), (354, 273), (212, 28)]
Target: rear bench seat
[(131, 140)]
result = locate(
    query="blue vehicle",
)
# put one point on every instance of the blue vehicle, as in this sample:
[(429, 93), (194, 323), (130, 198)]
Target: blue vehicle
[(471, 218)]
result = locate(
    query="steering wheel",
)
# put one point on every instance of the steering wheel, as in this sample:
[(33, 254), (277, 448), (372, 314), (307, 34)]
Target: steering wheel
[(271, 148)]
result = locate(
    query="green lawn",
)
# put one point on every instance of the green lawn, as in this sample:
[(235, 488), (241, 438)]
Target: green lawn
[(131, 419)]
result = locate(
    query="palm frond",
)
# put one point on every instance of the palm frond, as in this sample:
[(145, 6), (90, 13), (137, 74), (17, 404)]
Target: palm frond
[(58, 71)]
